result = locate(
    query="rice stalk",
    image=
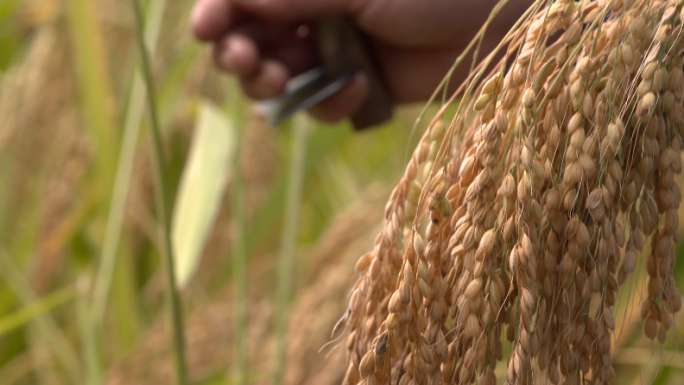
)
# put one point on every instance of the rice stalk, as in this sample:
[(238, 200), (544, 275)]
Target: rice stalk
[(161, 201), (239, 249), (87, 331), (134, 111), (239, 258), (524, 217), (288, 247), (94, 83)]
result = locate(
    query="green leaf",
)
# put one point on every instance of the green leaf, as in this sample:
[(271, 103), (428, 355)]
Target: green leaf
[(23, 316), (201, 187)]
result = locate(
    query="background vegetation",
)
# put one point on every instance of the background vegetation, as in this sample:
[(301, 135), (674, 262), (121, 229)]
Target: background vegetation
[(82, 284)]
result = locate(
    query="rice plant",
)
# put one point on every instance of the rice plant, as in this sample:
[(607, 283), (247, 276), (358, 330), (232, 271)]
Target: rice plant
[(520, 220)]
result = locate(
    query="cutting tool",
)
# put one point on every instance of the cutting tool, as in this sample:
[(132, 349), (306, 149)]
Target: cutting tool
[(344, 51)]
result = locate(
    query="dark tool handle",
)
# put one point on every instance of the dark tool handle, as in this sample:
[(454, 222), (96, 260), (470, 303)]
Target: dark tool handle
[(343, 48)]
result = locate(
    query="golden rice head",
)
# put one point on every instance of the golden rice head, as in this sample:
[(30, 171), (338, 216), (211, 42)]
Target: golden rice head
[(523, 218)]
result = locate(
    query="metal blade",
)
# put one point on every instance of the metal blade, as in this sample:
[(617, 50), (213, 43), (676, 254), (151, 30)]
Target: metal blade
[(304, 92)]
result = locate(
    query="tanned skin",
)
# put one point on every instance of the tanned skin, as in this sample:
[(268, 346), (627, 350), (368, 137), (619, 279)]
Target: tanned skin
[(415, 41)]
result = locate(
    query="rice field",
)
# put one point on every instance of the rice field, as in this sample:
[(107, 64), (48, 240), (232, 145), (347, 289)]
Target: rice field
[(107, 186)]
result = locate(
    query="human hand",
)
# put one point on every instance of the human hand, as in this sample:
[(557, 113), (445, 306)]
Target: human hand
[(415, 41)]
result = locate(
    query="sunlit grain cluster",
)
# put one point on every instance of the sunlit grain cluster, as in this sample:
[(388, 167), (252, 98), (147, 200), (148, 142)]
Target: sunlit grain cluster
[(519, 222)]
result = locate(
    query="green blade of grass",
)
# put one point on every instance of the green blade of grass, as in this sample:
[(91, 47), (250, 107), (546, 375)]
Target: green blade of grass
[(239, 244), (161, 200), (44, 305), (134, 111), (288, 246), (93, 367), (45, 325), (94, 83), (239, 257)]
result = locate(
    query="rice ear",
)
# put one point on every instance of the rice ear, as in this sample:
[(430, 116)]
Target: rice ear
[(547, 183)]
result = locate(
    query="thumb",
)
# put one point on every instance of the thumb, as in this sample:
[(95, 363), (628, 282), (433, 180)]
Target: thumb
[(288, 10)]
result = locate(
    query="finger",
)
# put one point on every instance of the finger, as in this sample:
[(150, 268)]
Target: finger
[(344, 103), (265, 32), (238, 54), (298, 9), (246, 44), (426, 69), (268, 82), (211, 18), (297, 55)]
